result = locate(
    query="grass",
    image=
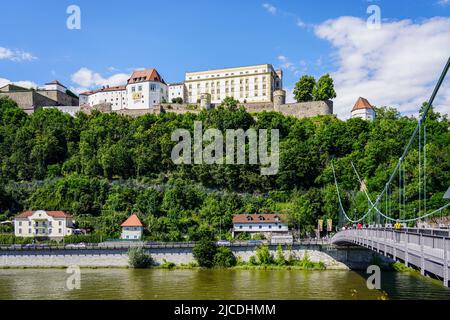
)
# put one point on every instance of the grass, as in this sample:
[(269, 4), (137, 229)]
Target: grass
[(400, 267)]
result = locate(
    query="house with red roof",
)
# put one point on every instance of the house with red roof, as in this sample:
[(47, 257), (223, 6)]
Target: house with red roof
[(145, 89), (260, 223), (363, 109), (132, 228), (54, 225)]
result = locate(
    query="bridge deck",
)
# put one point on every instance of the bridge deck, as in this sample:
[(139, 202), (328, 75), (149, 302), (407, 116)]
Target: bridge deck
[(427, 251)]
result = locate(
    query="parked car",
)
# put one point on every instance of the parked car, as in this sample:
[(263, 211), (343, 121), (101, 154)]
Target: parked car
[(255, 242), (76, 246), (36, 246), (223, 243)]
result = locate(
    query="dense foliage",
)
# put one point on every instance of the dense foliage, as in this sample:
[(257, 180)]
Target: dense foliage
[(307, 89), (102, 167), (204, 253), (139, 259)]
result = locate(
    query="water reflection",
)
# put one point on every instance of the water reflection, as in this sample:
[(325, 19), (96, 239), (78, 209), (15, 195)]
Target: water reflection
[(98, 284)]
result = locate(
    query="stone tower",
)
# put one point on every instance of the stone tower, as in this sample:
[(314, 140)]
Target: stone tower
[(205, 101), (279, 99)]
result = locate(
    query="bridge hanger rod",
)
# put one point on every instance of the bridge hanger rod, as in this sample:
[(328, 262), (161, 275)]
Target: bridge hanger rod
[(340, 200), (393, 219), (416, 130)]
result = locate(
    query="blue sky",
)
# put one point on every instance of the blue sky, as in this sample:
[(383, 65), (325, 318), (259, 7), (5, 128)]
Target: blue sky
[(180, 36)]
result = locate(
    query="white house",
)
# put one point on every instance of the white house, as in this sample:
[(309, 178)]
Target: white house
[(260, 223), (132, 228), (363, 109), (43, 224)]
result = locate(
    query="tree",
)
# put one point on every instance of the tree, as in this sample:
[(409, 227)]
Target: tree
[(324, 89), (177, 100), (303, 91), (204, 252)]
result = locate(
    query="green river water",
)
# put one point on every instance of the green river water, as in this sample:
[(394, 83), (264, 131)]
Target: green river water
[(50, 284)]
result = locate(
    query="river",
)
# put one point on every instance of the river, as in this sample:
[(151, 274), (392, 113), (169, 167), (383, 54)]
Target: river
[(50, 284)]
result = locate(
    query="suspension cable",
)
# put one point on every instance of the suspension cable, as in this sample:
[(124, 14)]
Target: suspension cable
[(400, 220), (340, 200), (416, 130)]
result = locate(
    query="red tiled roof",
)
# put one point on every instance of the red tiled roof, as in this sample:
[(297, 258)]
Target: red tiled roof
[(362, 103), (107, 89), (259, 218), (132, 221), (54, 214), (145, 75), (117, 88)]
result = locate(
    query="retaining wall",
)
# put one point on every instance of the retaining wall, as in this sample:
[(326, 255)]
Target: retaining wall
[(333, 258)]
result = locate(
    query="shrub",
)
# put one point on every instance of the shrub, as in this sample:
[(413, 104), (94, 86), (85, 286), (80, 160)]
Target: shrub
[(12, 239), (224, 258), (264, 256), (252, 261), (138, 259), (88, 238), (259, 236), (167, 264), (204, 252), (279, 259)]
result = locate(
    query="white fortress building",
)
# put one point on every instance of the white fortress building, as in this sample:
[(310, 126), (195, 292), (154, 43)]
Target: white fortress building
[(144, 90), (177, 90), (248, 84), (43, 224), (363, 109)]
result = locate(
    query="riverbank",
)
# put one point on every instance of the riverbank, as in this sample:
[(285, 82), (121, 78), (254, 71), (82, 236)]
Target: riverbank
[(333, 258)]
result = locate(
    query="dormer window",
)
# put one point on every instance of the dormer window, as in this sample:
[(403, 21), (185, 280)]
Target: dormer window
[(261, 218), (249, 218)]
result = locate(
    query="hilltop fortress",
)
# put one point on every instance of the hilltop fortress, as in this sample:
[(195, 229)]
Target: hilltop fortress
[(257, 88)]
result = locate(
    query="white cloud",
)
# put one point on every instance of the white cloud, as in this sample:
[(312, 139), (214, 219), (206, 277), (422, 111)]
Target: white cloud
[(270, 8), (443, 2), (24, 83), (397, 65), (113, 69), (296, 68), (301, 24), (87, 78), (15, 55)]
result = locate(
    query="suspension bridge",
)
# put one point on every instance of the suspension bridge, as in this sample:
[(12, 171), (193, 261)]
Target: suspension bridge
[(421, 248)]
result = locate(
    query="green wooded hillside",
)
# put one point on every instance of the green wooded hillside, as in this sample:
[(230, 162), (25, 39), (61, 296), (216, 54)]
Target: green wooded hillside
[(102, 167)]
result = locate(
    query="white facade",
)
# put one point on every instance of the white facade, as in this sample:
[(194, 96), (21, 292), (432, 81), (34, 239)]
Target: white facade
[(146, 95), (47, 224), (70, 110), (257, 223), (246, 84), (54, 86), (365, 114), (116, 96), (145, 89), (261, 227), (132, 233), (177, 90)]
